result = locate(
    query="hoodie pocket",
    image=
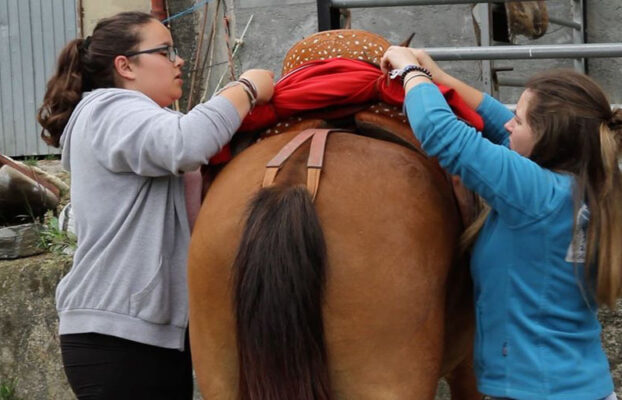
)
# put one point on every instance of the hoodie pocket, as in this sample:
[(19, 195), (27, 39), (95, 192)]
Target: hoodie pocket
[(153, 302)]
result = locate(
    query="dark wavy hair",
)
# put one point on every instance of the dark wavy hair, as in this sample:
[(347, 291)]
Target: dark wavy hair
[(84, 65)]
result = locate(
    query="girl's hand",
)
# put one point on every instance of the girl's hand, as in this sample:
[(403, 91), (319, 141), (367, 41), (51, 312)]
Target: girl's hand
[(397, 58), (264, 81)]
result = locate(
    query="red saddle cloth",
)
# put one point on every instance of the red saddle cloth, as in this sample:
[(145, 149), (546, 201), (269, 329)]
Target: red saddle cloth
[(333, 82)]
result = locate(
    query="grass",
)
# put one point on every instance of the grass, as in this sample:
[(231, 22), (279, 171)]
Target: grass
[(7, 390), (54, 239), (31, 161)]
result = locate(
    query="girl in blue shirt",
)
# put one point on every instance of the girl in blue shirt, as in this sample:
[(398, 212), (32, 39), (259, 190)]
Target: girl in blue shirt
[(548, 250)]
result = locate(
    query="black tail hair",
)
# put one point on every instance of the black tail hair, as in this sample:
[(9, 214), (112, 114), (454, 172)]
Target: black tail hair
[(279, 275)]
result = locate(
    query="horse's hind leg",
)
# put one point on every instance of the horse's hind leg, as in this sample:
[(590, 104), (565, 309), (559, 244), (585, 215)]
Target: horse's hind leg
[(461, 380), (459, 333)]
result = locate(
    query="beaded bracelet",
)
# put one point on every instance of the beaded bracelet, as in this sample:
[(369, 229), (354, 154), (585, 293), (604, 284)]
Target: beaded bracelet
[(412, 68)]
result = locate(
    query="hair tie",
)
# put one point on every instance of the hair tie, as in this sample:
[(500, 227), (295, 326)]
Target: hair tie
[(615, 121), (86, 43)]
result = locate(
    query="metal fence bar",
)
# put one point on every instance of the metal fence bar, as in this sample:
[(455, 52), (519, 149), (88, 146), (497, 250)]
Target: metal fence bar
[(511, 81), (394, 3), (563, 22), (593, 50), (578, 35), (327, 16), (328, 10), (485, 16), (512, 107)]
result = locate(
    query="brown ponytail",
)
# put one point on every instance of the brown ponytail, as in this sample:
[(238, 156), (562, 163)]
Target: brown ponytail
[(608, 232), (577, 132), (84, 65), (64, 91)]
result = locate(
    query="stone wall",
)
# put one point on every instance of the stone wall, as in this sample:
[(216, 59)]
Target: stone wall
[(29, 349)]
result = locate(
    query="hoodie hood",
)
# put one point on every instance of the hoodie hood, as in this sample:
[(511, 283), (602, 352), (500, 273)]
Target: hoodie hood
[(65, 142), (88, 98)]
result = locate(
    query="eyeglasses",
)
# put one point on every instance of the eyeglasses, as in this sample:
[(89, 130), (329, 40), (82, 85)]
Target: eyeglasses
[(171, 52)]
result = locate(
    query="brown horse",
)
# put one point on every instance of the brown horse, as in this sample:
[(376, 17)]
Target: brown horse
[(356, 294), (343, 298)]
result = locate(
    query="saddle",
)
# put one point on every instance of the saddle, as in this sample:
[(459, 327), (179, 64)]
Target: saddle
[(373, 108), (376, 119)]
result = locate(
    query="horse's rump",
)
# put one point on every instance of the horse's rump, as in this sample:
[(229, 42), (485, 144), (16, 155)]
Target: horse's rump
[(390, 225)]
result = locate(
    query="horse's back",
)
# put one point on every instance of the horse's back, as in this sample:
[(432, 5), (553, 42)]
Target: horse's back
[(390, 225)]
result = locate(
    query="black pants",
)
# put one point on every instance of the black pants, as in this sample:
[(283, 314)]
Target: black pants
[(107, 367)]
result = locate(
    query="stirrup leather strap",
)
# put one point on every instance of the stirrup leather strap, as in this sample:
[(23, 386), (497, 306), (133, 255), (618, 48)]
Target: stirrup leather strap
[(314, 163)]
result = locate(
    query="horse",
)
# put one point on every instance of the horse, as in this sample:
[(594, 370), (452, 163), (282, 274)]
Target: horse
[(511, 19), (350, 290)]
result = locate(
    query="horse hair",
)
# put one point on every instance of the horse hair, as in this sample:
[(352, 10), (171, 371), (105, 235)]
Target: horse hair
[(279, 276)]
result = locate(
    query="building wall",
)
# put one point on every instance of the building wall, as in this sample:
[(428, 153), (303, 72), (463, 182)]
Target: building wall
[(278, 24), (32, 32), (97, 9)]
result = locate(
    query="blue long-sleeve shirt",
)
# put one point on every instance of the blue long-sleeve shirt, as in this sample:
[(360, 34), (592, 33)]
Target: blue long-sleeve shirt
[(537, 332)]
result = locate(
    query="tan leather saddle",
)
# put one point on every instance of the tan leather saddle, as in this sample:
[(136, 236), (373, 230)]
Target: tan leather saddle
[(379, 120)]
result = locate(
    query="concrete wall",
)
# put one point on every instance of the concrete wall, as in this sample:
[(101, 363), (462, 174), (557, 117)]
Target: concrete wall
[(94, 10), (278, 24)]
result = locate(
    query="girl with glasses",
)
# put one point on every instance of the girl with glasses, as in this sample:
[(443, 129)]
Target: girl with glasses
[(123, 306)]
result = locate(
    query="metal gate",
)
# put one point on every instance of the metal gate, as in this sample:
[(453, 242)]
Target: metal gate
[(329, 18), (32, 32)]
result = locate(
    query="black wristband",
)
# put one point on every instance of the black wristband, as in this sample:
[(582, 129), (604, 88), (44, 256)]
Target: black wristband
[(412, 68)]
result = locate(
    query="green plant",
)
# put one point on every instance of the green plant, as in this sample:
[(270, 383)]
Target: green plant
[(30, 161), (54, 239), (7, 390)]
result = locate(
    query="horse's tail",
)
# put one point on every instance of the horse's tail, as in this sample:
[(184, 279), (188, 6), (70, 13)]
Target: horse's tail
[(278, 286)]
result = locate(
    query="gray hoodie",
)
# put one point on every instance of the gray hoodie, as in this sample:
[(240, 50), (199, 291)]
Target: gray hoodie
[(126, 155)]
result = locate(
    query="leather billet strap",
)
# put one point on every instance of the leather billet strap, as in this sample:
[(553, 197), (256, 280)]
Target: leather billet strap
[(314, 163)]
